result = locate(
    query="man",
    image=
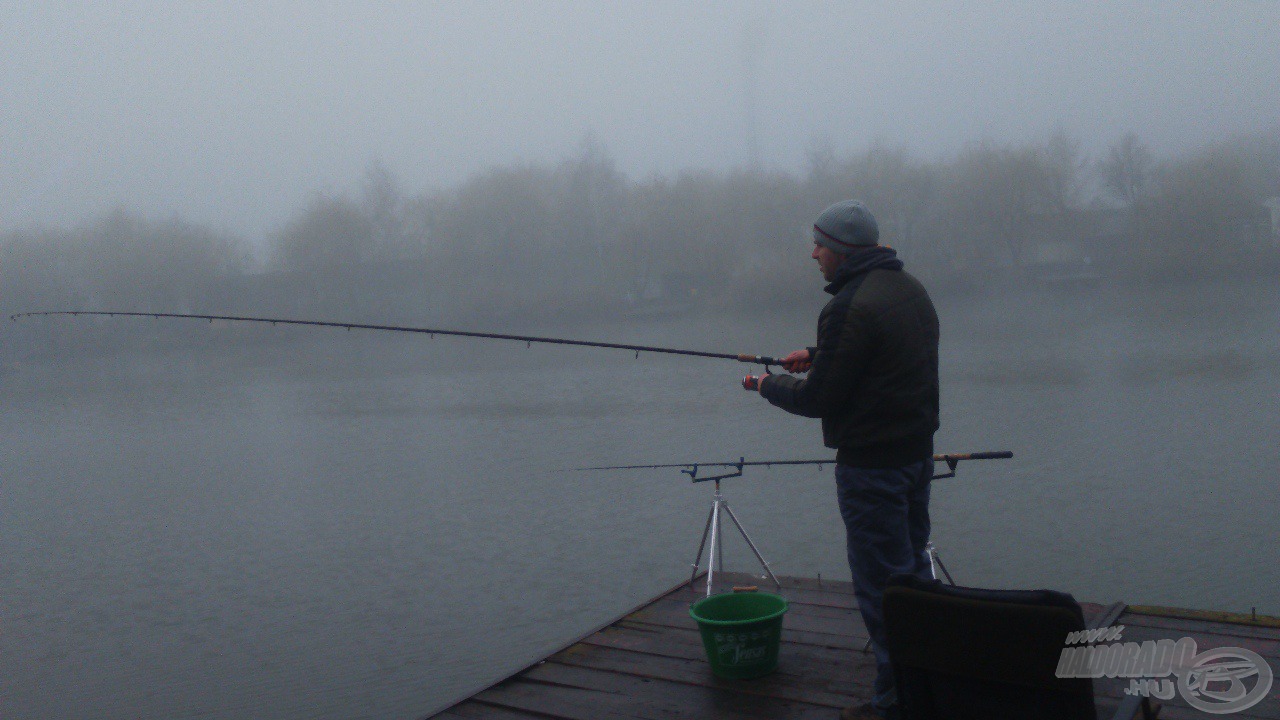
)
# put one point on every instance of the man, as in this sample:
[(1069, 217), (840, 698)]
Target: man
[(873, 380)]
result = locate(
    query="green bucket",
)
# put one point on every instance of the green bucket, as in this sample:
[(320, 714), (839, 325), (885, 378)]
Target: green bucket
[(741, 632)]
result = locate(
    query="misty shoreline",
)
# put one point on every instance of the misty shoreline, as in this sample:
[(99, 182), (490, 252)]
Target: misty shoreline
[(1008, 323)]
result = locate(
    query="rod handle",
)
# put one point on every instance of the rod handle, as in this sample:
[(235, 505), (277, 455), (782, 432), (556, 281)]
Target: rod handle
[(759, 359)]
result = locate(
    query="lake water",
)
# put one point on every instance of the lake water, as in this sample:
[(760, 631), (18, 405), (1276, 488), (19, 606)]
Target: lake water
[(363, 526)]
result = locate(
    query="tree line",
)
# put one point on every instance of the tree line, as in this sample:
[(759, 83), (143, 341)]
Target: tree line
[(578, 237)]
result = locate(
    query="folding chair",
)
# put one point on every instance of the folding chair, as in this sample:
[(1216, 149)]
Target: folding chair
[(968, 654)]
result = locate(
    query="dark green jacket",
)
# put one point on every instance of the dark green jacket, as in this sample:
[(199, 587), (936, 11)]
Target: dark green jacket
[(874, 380)]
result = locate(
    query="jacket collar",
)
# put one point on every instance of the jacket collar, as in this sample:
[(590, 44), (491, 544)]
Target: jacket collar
[(860, 262)]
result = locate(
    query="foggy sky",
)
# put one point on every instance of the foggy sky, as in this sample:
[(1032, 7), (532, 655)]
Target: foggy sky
[(230, 114)]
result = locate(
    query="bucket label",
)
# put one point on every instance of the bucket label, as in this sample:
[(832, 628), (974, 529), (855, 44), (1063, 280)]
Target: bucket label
[(742, 648)]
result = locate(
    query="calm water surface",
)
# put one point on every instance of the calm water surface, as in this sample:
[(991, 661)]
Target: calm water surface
[(368, 527)]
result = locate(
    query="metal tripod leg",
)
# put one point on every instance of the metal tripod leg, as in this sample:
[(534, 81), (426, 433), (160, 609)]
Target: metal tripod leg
[(702, 545), (713, 527), (751, 545), (936, 561), (715, 555), (715, 543)]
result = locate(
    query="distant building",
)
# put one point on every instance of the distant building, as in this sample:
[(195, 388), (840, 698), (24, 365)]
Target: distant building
[(1070, 247)]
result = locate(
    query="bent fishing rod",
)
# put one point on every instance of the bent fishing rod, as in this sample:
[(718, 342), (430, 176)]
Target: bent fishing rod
[(764, 360), (691, 468)]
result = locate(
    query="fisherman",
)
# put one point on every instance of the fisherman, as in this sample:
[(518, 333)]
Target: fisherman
[(873, 380)]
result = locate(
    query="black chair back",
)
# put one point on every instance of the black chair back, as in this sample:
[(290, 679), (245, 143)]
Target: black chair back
[(969, 654)]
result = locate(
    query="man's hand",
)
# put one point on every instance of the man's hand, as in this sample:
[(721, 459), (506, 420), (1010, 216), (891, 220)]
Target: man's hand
[(798, 361)]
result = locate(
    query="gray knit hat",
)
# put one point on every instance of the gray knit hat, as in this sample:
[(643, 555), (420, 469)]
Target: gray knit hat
[(845, 226)]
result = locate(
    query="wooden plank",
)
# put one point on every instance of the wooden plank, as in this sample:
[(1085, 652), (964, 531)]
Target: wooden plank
[(824, 598), (471, 711), (803, 679), (830, 593), (589, 633), (1139, 628), (823, 626), (672, 612), (843, 587), (637, 697), (1104, 617), (687, 643), (651, 664), (798, 678), (810, 674), (813, 603), (832, 586), (1113, 688), (1268, 649), (1250, 619), (729, 697), (1197, 628), (1090, 610), (789, 635), (555, 700), (727, 581)]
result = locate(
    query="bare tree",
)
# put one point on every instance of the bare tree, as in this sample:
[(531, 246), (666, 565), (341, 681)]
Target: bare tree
[(1204, 207), (995, 195), (1062, 169), (329, 234), (383, 203), (1128, 169), (124, 260), (899, 189)]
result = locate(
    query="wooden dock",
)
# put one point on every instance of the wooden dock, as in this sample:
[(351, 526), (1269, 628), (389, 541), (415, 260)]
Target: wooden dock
[(650, 664)]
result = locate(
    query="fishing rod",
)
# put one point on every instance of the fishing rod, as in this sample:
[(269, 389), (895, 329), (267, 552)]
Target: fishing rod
[(691, 468), (764, 360)]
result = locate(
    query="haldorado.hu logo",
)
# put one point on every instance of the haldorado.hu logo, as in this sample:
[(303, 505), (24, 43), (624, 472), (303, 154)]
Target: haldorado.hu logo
[(1216, 681)]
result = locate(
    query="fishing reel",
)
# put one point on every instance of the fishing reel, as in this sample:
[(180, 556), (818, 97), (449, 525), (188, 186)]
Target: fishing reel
[(752, 382)]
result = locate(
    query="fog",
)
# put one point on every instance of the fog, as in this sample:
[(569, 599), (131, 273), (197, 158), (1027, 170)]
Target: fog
[(231, 114), (227, 520)]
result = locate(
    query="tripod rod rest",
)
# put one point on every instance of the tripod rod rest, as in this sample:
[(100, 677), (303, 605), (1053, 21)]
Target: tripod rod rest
[(692, 472)]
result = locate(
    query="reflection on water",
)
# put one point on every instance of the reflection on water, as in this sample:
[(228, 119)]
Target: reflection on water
[(372, 534)]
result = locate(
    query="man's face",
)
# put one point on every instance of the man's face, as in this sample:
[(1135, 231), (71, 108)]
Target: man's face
[(828, 261)]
